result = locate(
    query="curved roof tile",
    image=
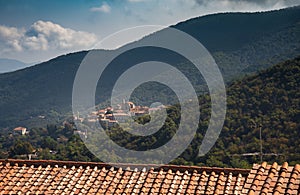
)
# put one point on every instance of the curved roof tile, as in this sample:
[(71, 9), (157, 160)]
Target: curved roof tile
[(67, 177)]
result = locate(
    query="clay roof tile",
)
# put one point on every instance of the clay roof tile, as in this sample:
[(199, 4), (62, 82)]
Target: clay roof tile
[(92, 178)]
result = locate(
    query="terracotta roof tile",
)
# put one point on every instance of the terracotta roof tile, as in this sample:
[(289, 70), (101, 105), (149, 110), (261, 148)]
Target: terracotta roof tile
[(65, 177), (273, 179)]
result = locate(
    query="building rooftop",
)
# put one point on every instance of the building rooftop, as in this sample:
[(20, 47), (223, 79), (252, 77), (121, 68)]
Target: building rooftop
[(273, 179), (68, 177), (19, 128)]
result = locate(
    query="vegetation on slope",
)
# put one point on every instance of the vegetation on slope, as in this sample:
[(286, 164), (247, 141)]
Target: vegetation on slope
[(241, 43), (270, 99)]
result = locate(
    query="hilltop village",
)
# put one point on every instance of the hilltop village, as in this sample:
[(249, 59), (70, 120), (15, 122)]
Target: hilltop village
[(110, 116)]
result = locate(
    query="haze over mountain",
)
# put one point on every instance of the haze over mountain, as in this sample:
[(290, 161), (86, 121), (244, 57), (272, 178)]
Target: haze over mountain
[(9, 65), (270, 99), (241, 43)]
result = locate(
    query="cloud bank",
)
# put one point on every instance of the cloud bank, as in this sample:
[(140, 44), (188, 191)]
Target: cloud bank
[(44, 36)]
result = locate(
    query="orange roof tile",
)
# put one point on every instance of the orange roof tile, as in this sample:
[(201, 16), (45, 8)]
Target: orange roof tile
[(19, 128), (273, 179), (67, 177)]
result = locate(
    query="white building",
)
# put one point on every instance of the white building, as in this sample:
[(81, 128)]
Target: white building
[(21, 130)]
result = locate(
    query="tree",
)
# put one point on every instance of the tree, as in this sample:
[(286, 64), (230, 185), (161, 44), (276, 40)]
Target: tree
[(20, 148)]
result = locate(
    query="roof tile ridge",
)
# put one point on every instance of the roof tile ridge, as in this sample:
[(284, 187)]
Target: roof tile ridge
[(191, 185), (109, 178), (247, 184), (77, 173), (147, 185), (102, 175), (182, 182), (13, 174), (88, 176), (156, 183), (176, 175), (70, 177), (228, 183), (183, 168), (238, 188), (2, 166), (99, 177), (116, 181), (202, 183), (132, 165), (82, 179), (34, 178), (94, 174), (125, 177), (257, 178), (128, 187), (293, 179), (278, 187), (266, 187), (46, 178), (30, 171), (220, 182), (58, 177), (9, 171), (139, 181), (22, 171), (166, 181), (211, 180), (45, 163)]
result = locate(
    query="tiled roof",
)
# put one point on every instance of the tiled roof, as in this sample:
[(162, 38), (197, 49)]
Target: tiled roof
[(19, 128), (273, 179), (66, 177), (63, 177)]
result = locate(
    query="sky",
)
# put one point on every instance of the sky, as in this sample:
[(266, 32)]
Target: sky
[(38, 30)]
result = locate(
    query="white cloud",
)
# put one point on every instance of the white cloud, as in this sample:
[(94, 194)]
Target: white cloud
[(105, 8), (10, 38), (44, 36)]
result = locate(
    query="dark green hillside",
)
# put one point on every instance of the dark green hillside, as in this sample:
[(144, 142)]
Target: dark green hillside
[(243, 43), (240, 43), (270, 98), (231, 31), (43, 89)]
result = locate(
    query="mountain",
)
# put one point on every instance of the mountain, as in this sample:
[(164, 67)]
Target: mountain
[(43, 89), (9, 65), (268, 100), (241, 43)]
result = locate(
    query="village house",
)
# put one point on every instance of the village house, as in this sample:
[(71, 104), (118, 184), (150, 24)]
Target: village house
[(20, 130), (110, 117)]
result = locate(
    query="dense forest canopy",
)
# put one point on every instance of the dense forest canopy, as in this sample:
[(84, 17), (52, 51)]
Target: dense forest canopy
[(269, 99), (241, 43)]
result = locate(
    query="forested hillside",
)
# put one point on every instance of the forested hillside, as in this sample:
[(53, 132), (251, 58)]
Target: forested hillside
[(241, 43), (269, 99)]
